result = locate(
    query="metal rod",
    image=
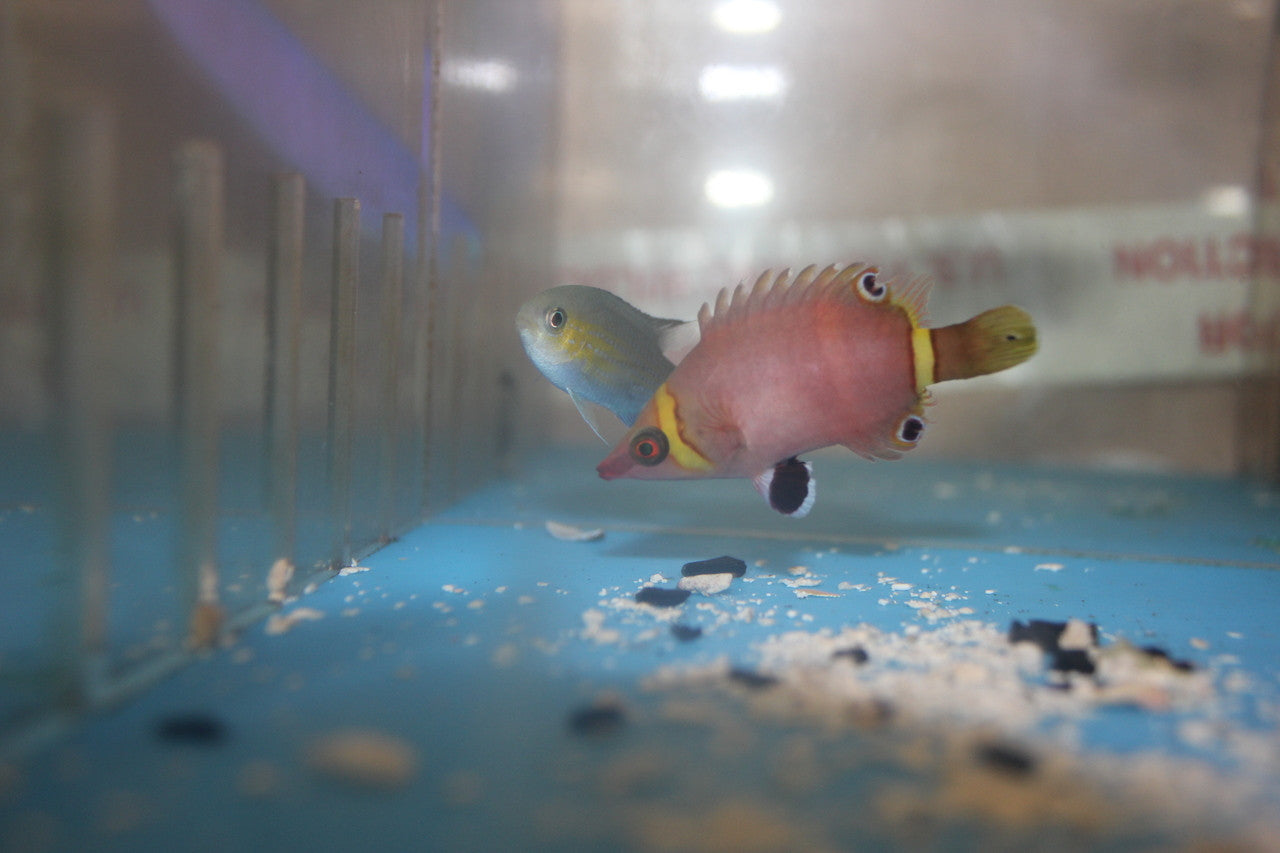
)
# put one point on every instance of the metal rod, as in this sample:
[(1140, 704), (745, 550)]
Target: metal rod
[(199, 196), (79, 285), (284, 324), (392, 313), (342, 364), (428, 271)]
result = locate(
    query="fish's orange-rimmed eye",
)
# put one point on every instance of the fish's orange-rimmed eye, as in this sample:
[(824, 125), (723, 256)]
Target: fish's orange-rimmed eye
[(869, 286), (650, 446), (556, 318), (911, 429)]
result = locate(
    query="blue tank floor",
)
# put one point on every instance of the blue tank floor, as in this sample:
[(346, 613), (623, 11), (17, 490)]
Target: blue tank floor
[(475, 639)]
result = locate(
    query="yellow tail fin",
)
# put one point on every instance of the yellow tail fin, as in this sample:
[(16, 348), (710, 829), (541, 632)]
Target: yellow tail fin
[(995, 340)]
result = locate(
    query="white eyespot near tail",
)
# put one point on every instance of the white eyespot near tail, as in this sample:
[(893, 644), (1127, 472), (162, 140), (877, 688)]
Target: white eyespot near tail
[(870, 287), (910, 430), (789, 487)]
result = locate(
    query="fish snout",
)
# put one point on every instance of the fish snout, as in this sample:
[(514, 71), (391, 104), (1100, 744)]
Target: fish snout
[(615, 465)]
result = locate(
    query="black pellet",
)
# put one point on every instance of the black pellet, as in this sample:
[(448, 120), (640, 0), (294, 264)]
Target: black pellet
[(685, 633), (1073, 660), (597, 720), (1180, 665), (752, 679), (715, 566), (857, 654), (1007, 758), (1043, 633), (196, 728), (659, 597)]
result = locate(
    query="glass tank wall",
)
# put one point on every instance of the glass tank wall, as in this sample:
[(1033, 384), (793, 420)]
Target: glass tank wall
[(260, 259)]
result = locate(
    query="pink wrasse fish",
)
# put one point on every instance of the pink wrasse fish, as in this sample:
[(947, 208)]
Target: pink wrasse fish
[(828, 357)]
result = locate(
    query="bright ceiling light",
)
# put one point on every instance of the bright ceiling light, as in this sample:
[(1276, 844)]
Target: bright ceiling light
[(746, 16), (490, 75), (738, 188), (1229, 200), (742, 82)]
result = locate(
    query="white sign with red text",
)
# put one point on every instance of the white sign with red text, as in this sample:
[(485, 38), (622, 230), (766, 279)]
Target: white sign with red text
[(1149, 293)]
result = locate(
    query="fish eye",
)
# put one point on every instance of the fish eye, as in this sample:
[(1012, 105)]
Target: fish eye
[(870, 287), (910, 429), (649, 447), (556, 318)]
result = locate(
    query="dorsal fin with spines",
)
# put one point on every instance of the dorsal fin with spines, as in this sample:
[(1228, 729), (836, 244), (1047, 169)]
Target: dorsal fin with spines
[(780, 289)]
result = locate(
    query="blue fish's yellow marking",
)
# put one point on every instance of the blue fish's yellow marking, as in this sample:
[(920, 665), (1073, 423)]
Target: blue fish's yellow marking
[(586, 342), (669, 422)]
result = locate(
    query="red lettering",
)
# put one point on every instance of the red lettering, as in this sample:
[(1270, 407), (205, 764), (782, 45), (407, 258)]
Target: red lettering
[(1209, 258), (1238, 331)]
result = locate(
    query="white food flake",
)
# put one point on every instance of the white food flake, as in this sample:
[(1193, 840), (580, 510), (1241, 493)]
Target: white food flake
[(707, 584), (569, 533)]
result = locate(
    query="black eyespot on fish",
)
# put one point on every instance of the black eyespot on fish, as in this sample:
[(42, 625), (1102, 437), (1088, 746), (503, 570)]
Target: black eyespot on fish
[(556, 318), (870, 287), (911, 428), (649, 447)]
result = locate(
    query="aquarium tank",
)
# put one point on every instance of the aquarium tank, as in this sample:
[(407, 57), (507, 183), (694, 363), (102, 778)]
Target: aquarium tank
[(307, 542)]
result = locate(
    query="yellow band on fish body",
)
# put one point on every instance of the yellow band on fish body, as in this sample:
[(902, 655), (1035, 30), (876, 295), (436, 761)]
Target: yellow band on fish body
[(669, 422), (922, 352)]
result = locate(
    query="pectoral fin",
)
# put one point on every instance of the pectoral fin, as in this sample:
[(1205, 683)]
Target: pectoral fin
[(789, 487), (591, 413)]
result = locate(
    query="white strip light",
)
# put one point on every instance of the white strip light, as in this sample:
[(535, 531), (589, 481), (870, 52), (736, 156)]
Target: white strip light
[(489, 75), (732, 188), (745, 17), (742, 82)]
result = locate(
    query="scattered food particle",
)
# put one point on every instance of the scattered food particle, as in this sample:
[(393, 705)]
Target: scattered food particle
[(352, 570), (194, 728), (505, 655), (815, 593), (715, 566), (569, 533), (279, 623), (685, 633), (857, 654), (659, 597), (1078, 634), (1199, 643), (752, 679), (901, 586), (363, 757), (278, 577), (1049, 567), (706, 584)]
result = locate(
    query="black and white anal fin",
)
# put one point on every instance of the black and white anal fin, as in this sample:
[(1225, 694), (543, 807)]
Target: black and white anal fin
[(789, 487)]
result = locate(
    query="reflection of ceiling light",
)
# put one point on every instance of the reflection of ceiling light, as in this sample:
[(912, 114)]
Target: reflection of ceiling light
[(741, 82), (491, 75), (1228, 200), (738, 188), (746, 16)]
